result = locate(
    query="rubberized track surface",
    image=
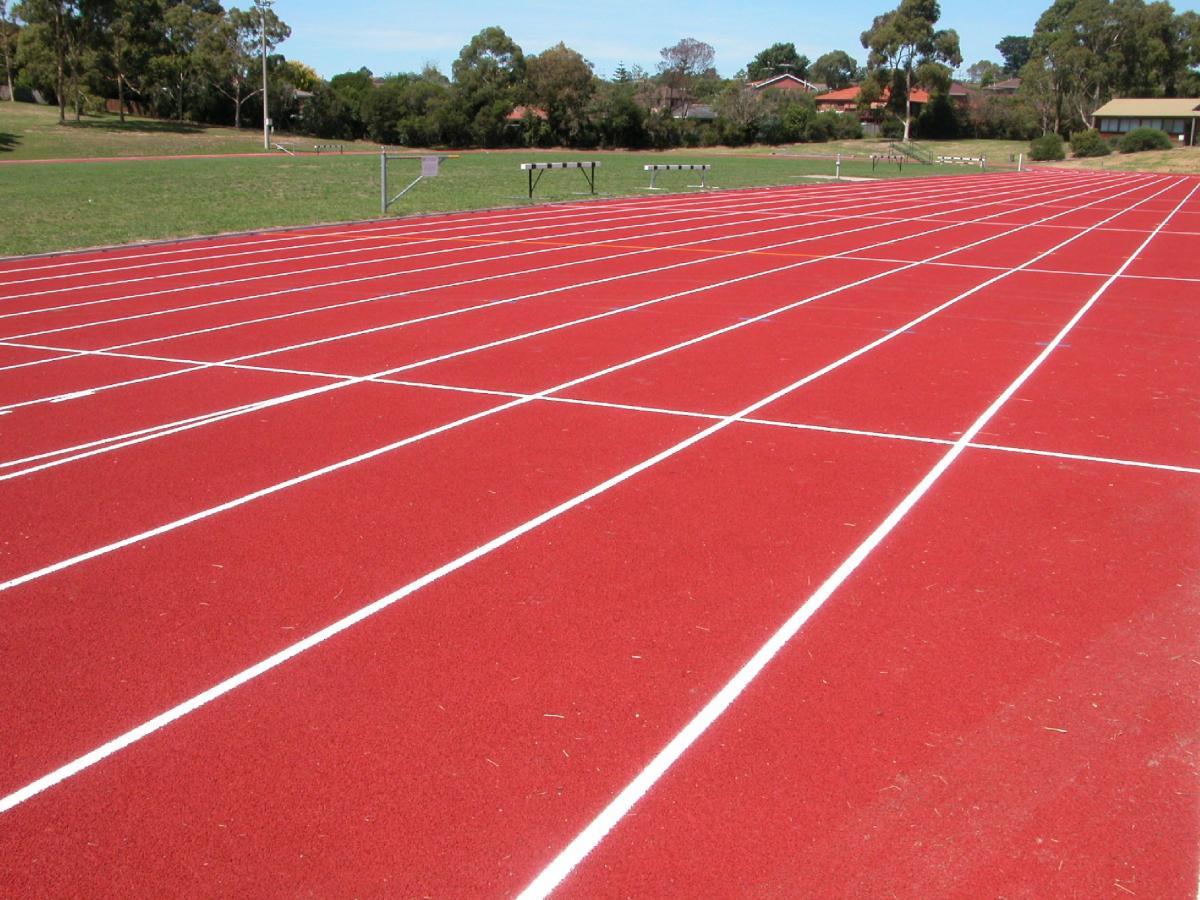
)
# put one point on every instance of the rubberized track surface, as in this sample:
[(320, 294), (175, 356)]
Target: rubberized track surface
[(835, 541)]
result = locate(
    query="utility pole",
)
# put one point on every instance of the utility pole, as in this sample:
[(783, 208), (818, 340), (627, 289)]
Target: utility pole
[(263, 6)]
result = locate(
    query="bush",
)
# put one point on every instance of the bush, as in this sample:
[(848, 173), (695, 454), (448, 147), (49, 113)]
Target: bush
[(1003, 117), (1145, 139), (892, 128), (1089, 143), (847, 127), (1047, 147)]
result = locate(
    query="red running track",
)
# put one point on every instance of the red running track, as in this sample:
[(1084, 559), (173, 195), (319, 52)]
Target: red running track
[(822, 541)]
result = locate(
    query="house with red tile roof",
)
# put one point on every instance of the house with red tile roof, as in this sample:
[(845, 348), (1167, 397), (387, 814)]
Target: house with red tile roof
[(519, 112), (846, 100)]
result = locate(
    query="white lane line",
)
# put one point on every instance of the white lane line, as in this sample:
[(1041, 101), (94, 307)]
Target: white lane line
[(596, 830), (575, 382), (622, 223), (498, 237), (481, 306), (1181, 279), (775, 212), (796, 426), (111, 444), (655, 410), (590, 216), (550, 877), (377, 230), (264, 242)]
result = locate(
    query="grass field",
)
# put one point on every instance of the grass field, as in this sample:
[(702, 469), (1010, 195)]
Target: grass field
[(29, 131), (1180, 161), (996, 151), (60, 206)]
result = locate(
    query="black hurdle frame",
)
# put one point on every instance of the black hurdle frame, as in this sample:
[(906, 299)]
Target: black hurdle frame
[(588, 169)]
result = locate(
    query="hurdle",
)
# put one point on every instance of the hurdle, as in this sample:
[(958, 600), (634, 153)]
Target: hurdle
[(430, 168), (328, 148), (980, 161), (655, 168), (587, 168), (896, 158)]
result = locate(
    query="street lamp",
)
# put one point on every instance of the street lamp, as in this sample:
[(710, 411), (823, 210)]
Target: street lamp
[(263, 6)]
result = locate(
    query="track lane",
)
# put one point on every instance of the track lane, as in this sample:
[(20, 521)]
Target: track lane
[(384, 372), (466, 672), (149, 304), (1014, 721), (101, 855), (1126, 386)]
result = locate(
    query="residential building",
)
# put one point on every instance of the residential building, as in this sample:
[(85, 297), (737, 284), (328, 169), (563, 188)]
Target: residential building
[(1176, 116)]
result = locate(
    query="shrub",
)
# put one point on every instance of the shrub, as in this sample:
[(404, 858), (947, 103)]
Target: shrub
[(892, 128), (847, 127), (1089, 143), (1047, 147), (1145, 139)]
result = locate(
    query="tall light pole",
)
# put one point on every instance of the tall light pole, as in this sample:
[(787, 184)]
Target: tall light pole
[(263, 6)]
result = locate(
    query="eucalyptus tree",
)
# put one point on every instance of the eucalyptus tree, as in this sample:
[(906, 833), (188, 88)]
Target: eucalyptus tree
[(561, 82), (8, 46), (488, 74), (52, 35), (906, 50), (231, 49)]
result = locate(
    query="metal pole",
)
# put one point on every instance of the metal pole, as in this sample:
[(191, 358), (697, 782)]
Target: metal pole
[(383, 197), (262, 12), (838, 170)]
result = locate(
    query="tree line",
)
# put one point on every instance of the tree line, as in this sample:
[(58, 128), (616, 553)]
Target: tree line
[(191, 60), (195, 60), (564, 103)]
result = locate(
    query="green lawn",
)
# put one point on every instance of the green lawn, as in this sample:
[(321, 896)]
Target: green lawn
[(998, 152), (59, 206), (1178, 161), (30, 131)]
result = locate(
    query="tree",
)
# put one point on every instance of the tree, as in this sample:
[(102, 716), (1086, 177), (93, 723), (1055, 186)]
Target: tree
[(688, 57), (739, 108), (619, 119), (984, 72), (906, 50), (561, 82), (836, 69), (1016, 51), (179, 62), (134, 30), (682, 65), (299, 75), (487, 73), (232, 48), (327, 115), (777, 59), (8, 46), (490, 63), (53, 33)]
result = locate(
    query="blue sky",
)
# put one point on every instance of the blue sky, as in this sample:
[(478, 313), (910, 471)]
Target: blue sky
[(386, 38)]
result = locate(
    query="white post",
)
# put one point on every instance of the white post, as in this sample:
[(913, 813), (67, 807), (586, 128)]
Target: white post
[(263, 5), (1020, 162), (837, 172)]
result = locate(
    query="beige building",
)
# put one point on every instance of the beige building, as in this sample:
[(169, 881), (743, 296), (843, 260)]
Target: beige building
[(1176, 116)]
